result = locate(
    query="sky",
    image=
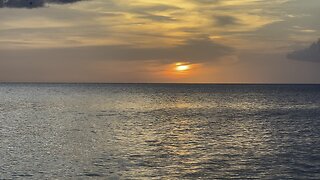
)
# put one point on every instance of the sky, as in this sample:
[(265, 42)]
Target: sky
[(150, 41)]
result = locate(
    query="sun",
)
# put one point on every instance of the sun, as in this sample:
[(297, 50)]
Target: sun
[(181, 70), (180, 67)]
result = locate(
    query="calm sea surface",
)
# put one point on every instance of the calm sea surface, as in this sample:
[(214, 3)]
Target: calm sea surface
[(159, 131)]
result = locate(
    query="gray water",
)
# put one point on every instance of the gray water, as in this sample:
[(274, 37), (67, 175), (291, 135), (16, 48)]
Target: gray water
[(159, 131)]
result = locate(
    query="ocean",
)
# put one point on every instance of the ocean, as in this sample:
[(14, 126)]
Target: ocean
[(159, 131)]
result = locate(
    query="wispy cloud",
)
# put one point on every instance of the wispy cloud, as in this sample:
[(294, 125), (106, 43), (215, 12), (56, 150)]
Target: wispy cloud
[(142, 23)]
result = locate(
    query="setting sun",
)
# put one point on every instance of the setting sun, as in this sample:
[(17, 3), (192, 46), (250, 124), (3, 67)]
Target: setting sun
[(182, 67)]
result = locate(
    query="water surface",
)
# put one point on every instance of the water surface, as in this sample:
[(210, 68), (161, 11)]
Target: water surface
[(159, 131)]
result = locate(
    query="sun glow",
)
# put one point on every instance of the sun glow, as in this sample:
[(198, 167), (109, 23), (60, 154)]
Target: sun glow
[(182, 67), (182, 71)]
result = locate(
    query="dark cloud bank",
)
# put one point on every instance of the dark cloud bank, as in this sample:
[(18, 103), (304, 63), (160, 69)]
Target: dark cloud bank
[(31, 3), (311, 53)]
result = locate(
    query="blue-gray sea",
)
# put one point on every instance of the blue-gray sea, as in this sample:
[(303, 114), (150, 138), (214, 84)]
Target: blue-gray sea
[(159, 131)]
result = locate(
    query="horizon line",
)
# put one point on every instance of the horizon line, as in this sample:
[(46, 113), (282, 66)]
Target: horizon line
[(173, 83)]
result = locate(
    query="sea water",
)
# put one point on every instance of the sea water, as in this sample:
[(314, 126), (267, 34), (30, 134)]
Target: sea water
[(159, 131)]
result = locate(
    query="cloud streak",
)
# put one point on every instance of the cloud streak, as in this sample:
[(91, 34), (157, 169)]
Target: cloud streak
[(312, 53), (198, 50), (32, 3)]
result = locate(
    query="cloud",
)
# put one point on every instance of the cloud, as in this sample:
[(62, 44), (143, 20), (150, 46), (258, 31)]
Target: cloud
[(150, 23), (196, 50), (226, 20), (154, 8), (312, 53), (157, 18), (150, 12), (206, 1), (32, 3)]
